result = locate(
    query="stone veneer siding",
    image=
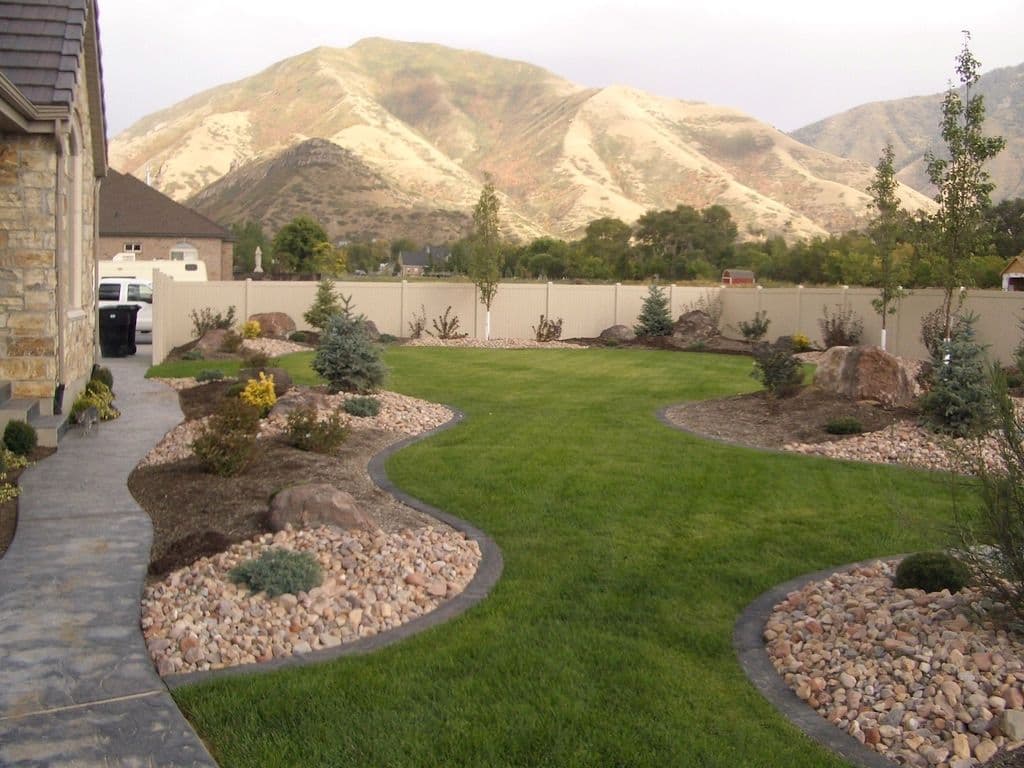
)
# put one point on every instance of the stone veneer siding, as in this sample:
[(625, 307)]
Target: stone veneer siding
[(31, 316), (215, 253)]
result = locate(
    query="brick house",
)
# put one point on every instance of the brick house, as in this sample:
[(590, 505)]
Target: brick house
[(53, 154), (430, 259), (138, 219)]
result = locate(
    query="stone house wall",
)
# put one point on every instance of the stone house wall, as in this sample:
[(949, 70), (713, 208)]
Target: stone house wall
[(47, 316)]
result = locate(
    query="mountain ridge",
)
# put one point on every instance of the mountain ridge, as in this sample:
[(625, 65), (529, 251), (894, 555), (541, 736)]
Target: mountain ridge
[(429, 123)]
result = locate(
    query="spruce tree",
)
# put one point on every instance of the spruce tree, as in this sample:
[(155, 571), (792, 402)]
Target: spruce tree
[(325, 305), (655, 316)]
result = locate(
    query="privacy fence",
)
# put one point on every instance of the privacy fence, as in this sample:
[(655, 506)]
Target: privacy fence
[(586, 310)]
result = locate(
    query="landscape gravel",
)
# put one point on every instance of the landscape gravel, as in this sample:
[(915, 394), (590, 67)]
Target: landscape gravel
[(197, 619), (926, 679)]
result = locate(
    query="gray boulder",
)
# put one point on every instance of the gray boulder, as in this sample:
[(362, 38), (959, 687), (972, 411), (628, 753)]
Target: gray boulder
[(694, 326), (313, 504), (274, 325), (618, 334), (869, 373)]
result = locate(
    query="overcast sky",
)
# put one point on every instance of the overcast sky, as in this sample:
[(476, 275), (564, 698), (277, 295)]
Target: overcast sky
[(787, 62)]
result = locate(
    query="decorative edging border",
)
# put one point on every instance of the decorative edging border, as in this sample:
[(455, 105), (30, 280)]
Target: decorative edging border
[(748, 642), (487, 575), (748, 639)]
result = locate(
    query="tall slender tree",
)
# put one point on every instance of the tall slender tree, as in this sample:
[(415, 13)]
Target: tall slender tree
[(485, 249), (884, 227), (963, 184)]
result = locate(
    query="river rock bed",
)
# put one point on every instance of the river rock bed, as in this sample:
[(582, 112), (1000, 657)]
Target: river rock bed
[(926, 679), (196, 619)]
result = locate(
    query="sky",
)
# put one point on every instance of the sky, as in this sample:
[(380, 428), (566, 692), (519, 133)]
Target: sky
[(786, 62)]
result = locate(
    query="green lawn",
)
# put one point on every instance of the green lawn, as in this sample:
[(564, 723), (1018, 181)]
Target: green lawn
[(630, 549)]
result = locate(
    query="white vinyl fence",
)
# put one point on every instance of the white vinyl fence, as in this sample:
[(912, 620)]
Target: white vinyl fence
[(586, 310)]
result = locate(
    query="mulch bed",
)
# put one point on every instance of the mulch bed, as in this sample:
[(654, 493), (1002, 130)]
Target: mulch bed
[(762, 421), (195, 513)]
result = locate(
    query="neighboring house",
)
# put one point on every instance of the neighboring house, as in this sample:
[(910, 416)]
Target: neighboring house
[(430, 259), (738, 277), (136, 218), (1013, 275), (53, 153)]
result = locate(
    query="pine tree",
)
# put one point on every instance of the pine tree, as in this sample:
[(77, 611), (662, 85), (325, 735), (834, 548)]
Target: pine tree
[(655, 316), (325, 305), (959, 401)]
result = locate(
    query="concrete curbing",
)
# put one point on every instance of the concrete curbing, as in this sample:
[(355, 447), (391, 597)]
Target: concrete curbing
[(487, 575)]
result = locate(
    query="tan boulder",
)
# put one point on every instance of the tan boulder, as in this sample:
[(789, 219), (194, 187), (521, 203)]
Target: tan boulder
[(212, 341), (618, 333), (274, 325), (869, 373), (313, 504)]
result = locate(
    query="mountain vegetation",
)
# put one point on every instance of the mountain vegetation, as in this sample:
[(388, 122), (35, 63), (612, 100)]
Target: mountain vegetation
[(387, 140)]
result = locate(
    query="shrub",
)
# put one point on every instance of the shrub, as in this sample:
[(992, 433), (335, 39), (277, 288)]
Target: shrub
[(1014, 377), (209, 374), (279, 572), (418, 324), (104, 374), (363, 407), (346, 357), (325, 305), (655, 315), (303, 337), (959, 400), (232, 342), (251, 329), (387, 338), (20, 437), (307, 432), (1018, 352), (228, 442), (259, 393), (991, 528), (235, 390), (800, 342), (755, 330), (193, 354), (256, 360), (844, 425), (11, 460), (777, 369), (933, 330), (843, 328), (932, 572), (548, 330), (207, 320), (446, 326), (96, 395)]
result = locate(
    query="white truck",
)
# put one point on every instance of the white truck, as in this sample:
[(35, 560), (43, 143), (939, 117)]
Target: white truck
[(143, 270), (126, 281)]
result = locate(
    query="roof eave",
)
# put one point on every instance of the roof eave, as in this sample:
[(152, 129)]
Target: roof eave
[(94, 79), (22, 115)]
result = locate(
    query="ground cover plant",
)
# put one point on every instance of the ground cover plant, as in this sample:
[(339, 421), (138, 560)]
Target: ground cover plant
[(630, 549)]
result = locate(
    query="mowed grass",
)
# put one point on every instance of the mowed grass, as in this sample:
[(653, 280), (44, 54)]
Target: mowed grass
[(630, 550)]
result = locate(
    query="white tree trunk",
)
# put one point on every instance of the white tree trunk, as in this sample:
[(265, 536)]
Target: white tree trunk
[(883, 340), (487, 326)]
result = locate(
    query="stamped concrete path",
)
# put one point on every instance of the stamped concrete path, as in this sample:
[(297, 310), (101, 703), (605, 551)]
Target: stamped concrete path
[(76, 685)]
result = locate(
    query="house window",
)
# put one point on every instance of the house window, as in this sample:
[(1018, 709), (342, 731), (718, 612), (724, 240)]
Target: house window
[(184, 252), (135, 248)]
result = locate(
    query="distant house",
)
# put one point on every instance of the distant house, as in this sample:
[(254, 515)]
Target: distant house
[(53, 153), (1013, 275), (135, 218), (738, 277), (432, 258)]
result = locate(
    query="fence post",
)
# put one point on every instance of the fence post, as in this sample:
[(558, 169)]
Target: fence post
[(476, 312), (547, 302), (615, 306), (759, 289), (401, 308), (800, 310), (245, 299)]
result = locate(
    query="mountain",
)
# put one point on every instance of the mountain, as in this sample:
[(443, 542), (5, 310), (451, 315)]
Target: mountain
[(912, 125), (386, 138)]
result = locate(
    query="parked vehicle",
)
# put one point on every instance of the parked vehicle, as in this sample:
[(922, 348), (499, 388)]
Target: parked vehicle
[(130, 290), (143, 270)]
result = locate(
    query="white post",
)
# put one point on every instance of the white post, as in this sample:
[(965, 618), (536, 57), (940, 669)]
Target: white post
[(883, 340)]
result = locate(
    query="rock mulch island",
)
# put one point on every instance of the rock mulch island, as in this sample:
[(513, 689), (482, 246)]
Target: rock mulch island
[(197, 619), (927, 679)]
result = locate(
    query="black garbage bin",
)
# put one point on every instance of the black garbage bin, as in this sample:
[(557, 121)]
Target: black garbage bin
[(117, 330)]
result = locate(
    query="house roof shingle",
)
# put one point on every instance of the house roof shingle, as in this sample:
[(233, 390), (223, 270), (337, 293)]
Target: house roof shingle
[(129, 207), (41, 47)]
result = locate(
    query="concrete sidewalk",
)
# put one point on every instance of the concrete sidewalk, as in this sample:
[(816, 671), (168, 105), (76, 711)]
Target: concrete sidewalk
[(76, 685)]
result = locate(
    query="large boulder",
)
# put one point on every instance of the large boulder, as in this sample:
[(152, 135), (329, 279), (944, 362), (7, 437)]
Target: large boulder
[(274, 325), (211, 342), (693, 326), (300, 397), (313, 504), (371, 330), (869, 373), (618, 334)]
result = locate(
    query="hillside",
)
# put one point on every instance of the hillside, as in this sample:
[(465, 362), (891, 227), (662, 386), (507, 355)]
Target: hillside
[(417, 126), (912, 125)]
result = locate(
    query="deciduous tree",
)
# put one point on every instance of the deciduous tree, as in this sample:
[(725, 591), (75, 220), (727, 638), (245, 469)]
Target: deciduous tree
[(485, 249)]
